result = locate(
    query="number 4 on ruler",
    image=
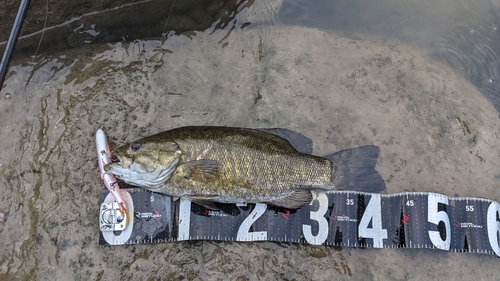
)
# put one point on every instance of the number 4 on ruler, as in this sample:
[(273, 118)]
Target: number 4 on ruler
[(373, 213)]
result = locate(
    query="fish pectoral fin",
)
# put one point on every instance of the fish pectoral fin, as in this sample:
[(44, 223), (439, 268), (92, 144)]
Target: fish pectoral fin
[(204, 169), (296, 199)]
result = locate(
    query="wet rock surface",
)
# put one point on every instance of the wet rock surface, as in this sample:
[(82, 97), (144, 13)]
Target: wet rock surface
[(74, 24), (435, 131)]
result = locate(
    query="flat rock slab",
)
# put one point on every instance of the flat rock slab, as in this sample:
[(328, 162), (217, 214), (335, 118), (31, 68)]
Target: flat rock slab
[(435, 131)]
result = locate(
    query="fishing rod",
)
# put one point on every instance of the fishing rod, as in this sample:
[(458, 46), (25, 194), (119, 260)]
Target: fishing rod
[(11, 43)]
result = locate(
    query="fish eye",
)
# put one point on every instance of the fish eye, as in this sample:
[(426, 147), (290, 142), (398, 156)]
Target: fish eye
[(135, 146)]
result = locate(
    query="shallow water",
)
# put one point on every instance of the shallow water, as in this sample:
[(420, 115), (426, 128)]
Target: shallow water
[(401, 78)]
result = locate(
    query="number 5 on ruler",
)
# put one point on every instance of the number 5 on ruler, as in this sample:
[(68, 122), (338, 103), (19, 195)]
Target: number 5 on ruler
[(435, 217)]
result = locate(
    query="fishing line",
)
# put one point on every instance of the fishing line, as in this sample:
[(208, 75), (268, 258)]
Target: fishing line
[(166, 22), (43, 30)]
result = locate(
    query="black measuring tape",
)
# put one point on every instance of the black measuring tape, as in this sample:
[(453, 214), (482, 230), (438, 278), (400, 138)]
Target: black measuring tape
[(340, 218)]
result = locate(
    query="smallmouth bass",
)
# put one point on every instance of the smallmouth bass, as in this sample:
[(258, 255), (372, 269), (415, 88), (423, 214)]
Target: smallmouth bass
[(233, 165)]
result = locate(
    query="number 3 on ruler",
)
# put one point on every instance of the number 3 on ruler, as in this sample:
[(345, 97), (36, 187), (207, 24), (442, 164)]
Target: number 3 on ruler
[(319, 217)]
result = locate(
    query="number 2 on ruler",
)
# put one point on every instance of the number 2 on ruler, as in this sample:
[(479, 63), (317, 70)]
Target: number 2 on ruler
[(244, 233)]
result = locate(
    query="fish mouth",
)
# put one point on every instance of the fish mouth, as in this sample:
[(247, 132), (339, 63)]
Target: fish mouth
[(121, 161), (114, 158)]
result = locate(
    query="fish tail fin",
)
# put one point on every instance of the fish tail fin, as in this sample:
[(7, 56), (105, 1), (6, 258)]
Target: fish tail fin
[(354, 169)]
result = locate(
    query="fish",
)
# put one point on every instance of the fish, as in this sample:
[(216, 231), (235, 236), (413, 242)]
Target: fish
[(240, 165)]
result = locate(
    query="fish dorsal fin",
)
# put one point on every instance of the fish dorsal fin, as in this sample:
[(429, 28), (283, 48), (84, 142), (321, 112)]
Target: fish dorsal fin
[(205, 169), (292, 139), (296, 199)]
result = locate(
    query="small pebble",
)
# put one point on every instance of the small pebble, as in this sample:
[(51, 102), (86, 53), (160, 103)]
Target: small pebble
[(7, 96)]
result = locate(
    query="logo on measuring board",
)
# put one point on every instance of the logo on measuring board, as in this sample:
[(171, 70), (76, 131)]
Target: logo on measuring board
[(343, 218), (467, 225), (148, 215), (211, 213)]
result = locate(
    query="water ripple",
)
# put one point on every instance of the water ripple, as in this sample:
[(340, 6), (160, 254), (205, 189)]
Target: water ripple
[(474, 51)]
